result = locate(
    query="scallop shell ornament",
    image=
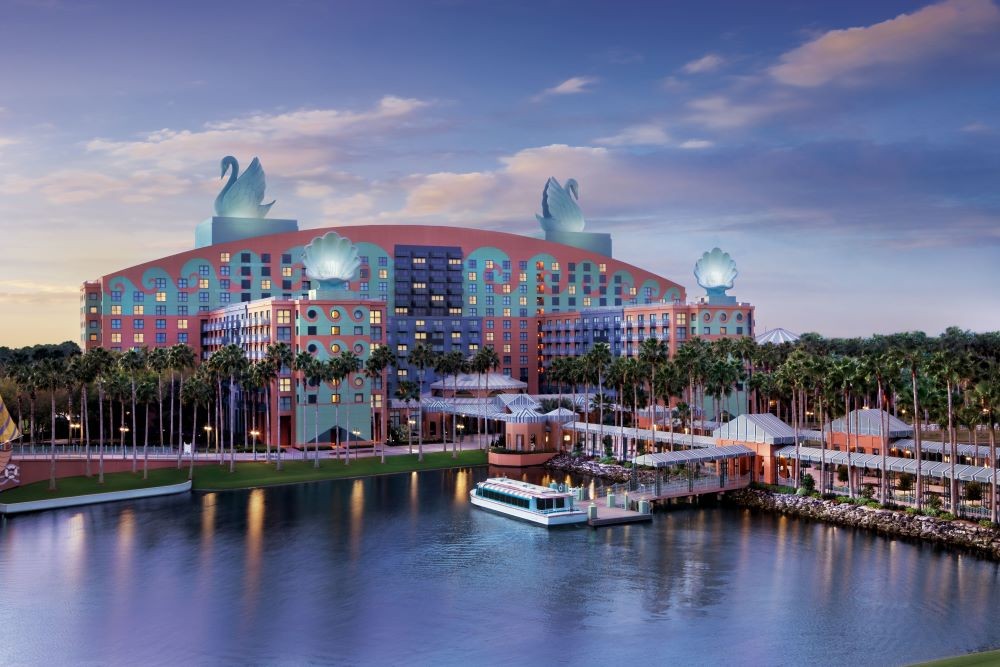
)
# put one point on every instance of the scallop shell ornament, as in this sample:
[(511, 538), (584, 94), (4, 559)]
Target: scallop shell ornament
[(716, 271), (331, 259)]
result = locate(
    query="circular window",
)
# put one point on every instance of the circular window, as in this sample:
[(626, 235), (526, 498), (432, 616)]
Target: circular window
[(359, 348), (739, 317), (335, 314), (311, 347), (707, 317), (722, 317), (358, 314), (335, 348), (311, 314), (358, 381)]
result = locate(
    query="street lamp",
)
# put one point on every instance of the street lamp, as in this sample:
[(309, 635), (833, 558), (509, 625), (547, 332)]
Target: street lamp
[(409, 433), (254, 433), (461, 435)]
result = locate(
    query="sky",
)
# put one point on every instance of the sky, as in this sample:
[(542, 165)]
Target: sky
[(846, 154)]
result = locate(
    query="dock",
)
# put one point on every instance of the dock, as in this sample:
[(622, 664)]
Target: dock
[(613, 516)]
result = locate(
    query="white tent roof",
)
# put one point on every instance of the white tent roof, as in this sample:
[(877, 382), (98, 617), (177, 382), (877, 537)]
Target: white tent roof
[(872, 422), (776, 337), (763, 427), (474, 382)]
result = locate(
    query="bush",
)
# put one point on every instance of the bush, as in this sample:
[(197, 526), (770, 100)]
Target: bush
[(934, 502), (842, 473), (815, 494), (912, 511), (842, 499), (808, 483), (904, 482), (946, 516), (868, 491), (874, 504), (609, 460), (986, 523), (973, 491)]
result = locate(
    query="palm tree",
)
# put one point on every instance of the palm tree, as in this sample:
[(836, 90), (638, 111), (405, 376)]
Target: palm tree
[(131, 363), (146, 393), (181, 358), (158, 361), (597, 361), (317, 373), (51, 373), (845, 377), (302, 364), (100, 361), (653, 354), (911, 355), (350, 364), (197, 391), (233, 364), (422, 357), (988, 395), (485, 362), (947, 366), (408, 392), (378, 361), (278, 357)]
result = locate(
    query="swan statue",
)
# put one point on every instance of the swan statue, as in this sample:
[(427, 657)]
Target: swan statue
[(560, 212), (241, 196)]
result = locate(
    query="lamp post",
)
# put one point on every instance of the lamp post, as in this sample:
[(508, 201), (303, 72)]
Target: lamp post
[(409, 433), (123, 430), (72, 427), (254, 434), (357, 436), (461, 434)]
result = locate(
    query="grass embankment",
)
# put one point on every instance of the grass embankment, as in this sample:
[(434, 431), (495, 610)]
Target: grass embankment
[(249, 474), (984, 659), (81, 486)]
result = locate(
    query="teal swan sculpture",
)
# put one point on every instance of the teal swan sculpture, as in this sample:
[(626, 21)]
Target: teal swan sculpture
[(241, 197)]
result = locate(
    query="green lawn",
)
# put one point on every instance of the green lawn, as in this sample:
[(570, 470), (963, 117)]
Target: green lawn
[(79, 486), (984, 659), (249, 474)]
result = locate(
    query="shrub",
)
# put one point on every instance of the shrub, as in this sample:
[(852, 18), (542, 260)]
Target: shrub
[(946, 516), (986, 523), (973, 491), (904, 482), (609, 460), (912, 511), (842, 473), (843, 499), (815, 494), (874, 504), (867, 491), (808, 483), (932, 512), (934, 502)]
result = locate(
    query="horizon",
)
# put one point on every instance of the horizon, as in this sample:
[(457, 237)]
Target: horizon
[(846, 156)]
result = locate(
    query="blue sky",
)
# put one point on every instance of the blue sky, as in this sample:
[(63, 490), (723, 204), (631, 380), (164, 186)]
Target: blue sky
[(846, 154)]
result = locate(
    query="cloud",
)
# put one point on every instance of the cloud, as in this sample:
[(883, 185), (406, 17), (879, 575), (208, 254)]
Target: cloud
[(617, 55), (978, 128), (707, 63), (76, 186), (294, 142), (646, 134), (855, 55), (696, 144), (572, 86), (723, 113)]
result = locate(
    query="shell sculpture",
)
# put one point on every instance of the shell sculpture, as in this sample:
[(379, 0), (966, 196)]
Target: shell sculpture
[(331, 259), (716, 271)]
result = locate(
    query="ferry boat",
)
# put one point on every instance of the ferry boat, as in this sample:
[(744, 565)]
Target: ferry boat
[(531, 502)]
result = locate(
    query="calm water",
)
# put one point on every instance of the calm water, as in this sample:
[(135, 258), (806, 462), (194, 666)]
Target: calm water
[(401, 570)]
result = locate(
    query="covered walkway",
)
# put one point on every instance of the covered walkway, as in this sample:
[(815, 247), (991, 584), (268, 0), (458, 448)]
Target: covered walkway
[(625, 439)]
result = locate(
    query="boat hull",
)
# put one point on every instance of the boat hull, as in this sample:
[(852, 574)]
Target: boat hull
[(550, 519)]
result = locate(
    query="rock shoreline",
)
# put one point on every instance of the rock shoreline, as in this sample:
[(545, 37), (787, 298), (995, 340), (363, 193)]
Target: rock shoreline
[(608, 472), (960, 535)]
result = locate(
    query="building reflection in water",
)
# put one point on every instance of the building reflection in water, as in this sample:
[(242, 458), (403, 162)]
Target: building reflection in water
[(461, 485), (76, 548), (357, 518)]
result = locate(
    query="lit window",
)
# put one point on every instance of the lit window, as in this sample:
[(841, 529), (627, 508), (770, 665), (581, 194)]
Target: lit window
[(602, 267), (223, 256), (419, 260), (335, 348), (383, 273), (265, 284), (489, 264), (335, 330), (335, 398), (359, 398), (138, 338), (161, 296), (286, 271), (138, 310), (334, 314), (284, 316), (116, 338), (116, 310), (472, 299), (586, 301), (505, 289), (437, 297), (571, 289), (555, 266), (506, 313), (203, 283), (182, 324), (284, 384), (375, 317), (506, 347), (419, 285), (472, 275)]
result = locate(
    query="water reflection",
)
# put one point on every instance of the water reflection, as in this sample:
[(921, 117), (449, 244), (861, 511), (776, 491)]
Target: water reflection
[(397, 570)]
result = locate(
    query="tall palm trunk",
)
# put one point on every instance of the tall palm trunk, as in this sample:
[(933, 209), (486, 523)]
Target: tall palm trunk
[(993, 472), (194, 440), (145, 446), (232, 424), (52, 453), (85, 422), (135, 448), (953, 486), (916, 439), (100, 435), (180, 422)]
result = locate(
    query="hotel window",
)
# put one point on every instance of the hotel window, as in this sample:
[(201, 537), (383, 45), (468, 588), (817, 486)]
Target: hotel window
[(489, 264), (116, 295), (335, 348), (161, 324), (161, 338), (224, 297), (363, 286), (92, 337), (555, 266), (182, 296), (182, 338), (419, 285), (359, 398), (223, 270), (383, 261), (161, 296), (202, 296), (116, 310), (602, 267), (203, 270), (505, 289), (722, 330), (419, 260), (506, 347), (265, 284), (681, 319), (92, 296), (138, 338), (284, 316), (437, 297), (116, 338), (224, 283), (420, 335), (472, 275), (92, 310), (284, 384), (522, 277), (266, 258), (335, 330), (359, 331), (472, 299), (182, 283), (138, 310), (383, 273), (506, 312), (286, 271), (286, 258), (223, 256), (138, 296), (161, 283), (335, 398), (489, 336), (182, 324), (203, 283), (456, 335), (401, 310), (586, 301)]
